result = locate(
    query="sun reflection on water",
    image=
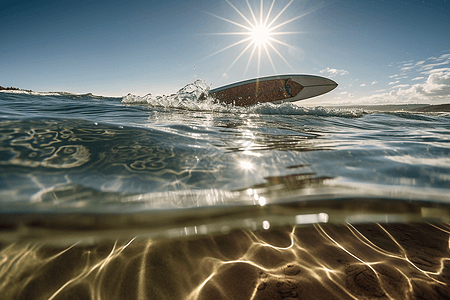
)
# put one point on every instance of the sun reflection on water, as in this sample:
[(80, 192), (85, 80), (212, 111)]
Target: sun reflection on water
[(246, 165)]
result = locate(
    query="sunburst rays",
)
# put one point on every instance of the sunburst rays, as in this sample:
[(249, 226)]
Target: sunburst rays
[(258, 30)]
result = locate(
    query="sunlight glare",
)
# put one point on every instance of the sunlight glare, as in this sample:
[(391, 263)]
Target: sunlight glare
[(262, 201), (246, 165)]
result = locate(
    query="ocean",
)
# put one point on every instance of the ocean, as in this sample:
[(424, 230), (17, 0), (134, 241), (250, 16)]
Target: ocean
[(218, 192)]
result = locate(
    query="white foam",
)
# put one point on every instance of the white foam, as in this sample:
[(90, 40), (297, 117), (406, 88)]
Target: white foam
[(193, 96), (289, 108)]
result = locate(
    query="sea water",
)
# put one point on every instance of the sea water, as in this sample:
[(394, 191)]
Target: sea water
[(66, 151), (79, 171)]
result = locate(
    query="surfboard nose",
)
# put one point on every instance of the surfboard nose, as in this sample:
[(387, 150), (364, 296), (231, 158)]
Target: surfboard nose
[(332, 82), (314, 86), (313, 80)]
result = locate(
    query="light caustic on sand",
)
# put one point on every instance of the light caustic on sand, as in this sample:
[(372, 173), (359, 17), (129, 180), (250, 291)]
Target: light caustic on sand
[(373, 261)]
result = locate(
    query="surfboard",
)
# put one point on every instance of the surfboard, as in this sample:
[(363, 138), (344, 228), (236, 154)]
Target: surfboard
[(274, 89)]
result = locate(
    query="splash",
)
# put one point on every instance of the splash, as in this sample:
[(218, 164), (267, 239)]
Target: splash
[(193, 96)]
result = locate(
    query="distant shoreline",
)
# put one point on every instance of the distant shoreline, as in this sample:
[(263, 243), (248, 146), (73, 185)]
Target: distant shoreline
[(435, 108), (11, 88), (402, 107)]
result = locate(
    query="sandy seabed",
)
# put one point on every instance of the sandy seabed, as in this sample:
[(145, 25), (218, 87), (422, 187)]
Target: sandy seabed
[(370, 261)]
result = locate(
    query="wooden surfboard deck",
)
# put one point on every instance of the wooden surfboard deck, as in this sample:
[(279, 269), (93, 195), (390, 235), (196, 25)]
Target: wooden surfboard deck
[(275, 89)]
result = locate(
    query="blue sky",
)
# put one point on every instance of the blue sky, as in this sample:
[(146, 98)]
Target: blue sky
[(378, 51)]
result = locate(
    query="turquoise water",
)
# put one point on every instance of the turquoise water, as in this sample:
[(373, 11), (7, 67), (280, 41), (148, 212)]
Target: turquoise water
[(62, 152)]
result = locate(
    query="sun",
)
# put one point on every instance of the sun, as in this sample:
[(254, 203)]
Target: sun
[(260, 35), (259, 31)]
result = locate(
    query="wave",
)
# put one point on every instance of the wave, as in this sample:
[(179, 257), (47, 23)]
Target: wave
[(195, 96)]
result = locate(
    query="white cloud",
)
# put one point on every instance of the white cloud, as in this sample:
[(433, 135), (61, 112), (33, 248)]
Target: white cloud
[(417, 78), (393, 82), (374, 82), (400, 86), (343, 93), (334, 72), (437, 71), (432, 66), (406, 62), (444, 56), (407, 68), (420, 62), (437, 84), (392, 76), (363, 84), (379, 91)]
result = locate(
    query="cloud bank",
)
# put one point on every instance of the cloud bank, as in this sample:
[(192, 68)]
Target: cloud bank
[(426, 81), (436, 89), (430, 83)]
